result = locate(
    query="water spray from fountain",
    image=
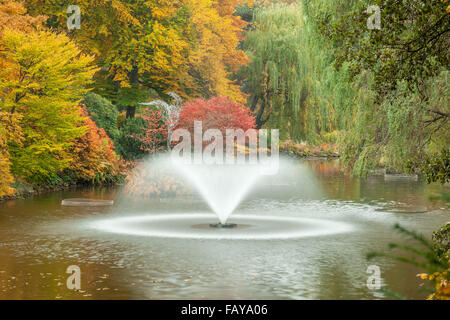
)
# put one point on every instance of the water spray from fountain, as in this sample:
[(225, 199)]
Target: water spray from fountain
[(223, 188)]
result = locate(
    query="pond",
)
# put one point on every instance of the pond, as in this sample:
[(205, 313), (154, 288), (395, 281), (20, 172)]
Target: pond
[(40, 239)]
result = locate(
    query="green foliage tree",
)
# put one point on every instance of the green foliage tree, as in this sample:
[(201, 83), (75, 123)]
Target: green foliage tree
[(412, 44), (387, 96), (397, 133), (8, 131)]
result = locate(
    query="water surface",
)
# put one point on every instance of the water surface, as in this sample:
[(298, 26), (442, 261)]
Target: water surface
[(39, 239)]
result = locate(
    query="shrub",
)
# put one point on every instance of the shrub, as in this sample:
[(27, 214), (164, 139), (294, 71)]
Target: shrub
[(128, 146), (93, 157), (103, 112), (155, 133)]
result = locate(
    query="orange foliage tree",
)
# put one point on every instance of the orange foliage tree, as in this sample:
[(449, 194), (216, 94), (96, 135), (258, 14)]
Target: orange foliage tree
[(13, 15), (93, 156)]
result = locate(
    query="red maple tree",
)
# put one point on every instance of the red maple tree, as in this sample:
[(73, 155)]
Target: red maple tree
[(216, 113)]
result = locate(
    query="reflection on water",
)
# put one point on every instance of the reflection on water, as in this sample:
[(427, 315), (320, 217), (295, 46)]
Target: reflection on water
[(39, 239)]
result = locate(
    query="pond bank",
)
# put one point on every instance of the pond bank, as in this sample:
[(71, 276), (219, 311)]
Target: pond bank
[(304, 150), (24, 191)]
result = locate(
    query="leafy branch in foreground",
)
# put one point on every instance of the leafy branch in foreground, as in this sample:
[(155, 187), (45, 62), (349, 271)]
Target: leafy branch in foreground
[(434, 256), (435, 167)]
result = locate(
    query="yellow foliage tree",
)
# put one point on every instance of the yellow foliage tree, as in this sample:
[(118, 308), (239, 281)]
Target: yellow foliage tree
[(138, 44), (44, 76), (215, 53), (186, 46), (13, 15)]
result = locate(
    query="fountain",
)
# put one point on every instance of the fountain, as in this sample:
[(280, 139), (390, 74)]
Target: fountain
[(223, 225), (222, 188)]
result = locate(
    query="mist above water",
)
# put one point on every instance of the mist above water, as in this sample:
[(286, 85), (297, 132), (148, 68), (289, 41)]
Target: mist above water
[(223, 186)]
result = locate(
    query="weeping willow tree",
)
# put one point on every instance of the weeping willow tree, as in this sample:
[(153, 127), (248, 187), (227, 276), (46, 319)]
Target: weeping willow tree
[(329, 95), (273, 79), (290, 81), (307, 79), (399, 117)]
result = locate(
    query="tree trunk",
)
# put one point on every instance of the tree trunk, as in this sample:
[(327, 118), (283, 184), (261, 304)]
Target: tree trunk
[(259, 116), (131, 111), (133, 76)]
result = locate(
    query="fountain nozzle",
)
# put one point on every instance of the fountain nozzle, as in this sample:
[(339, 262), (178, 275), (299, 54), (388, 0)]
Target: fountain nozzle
[(223, 225)]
